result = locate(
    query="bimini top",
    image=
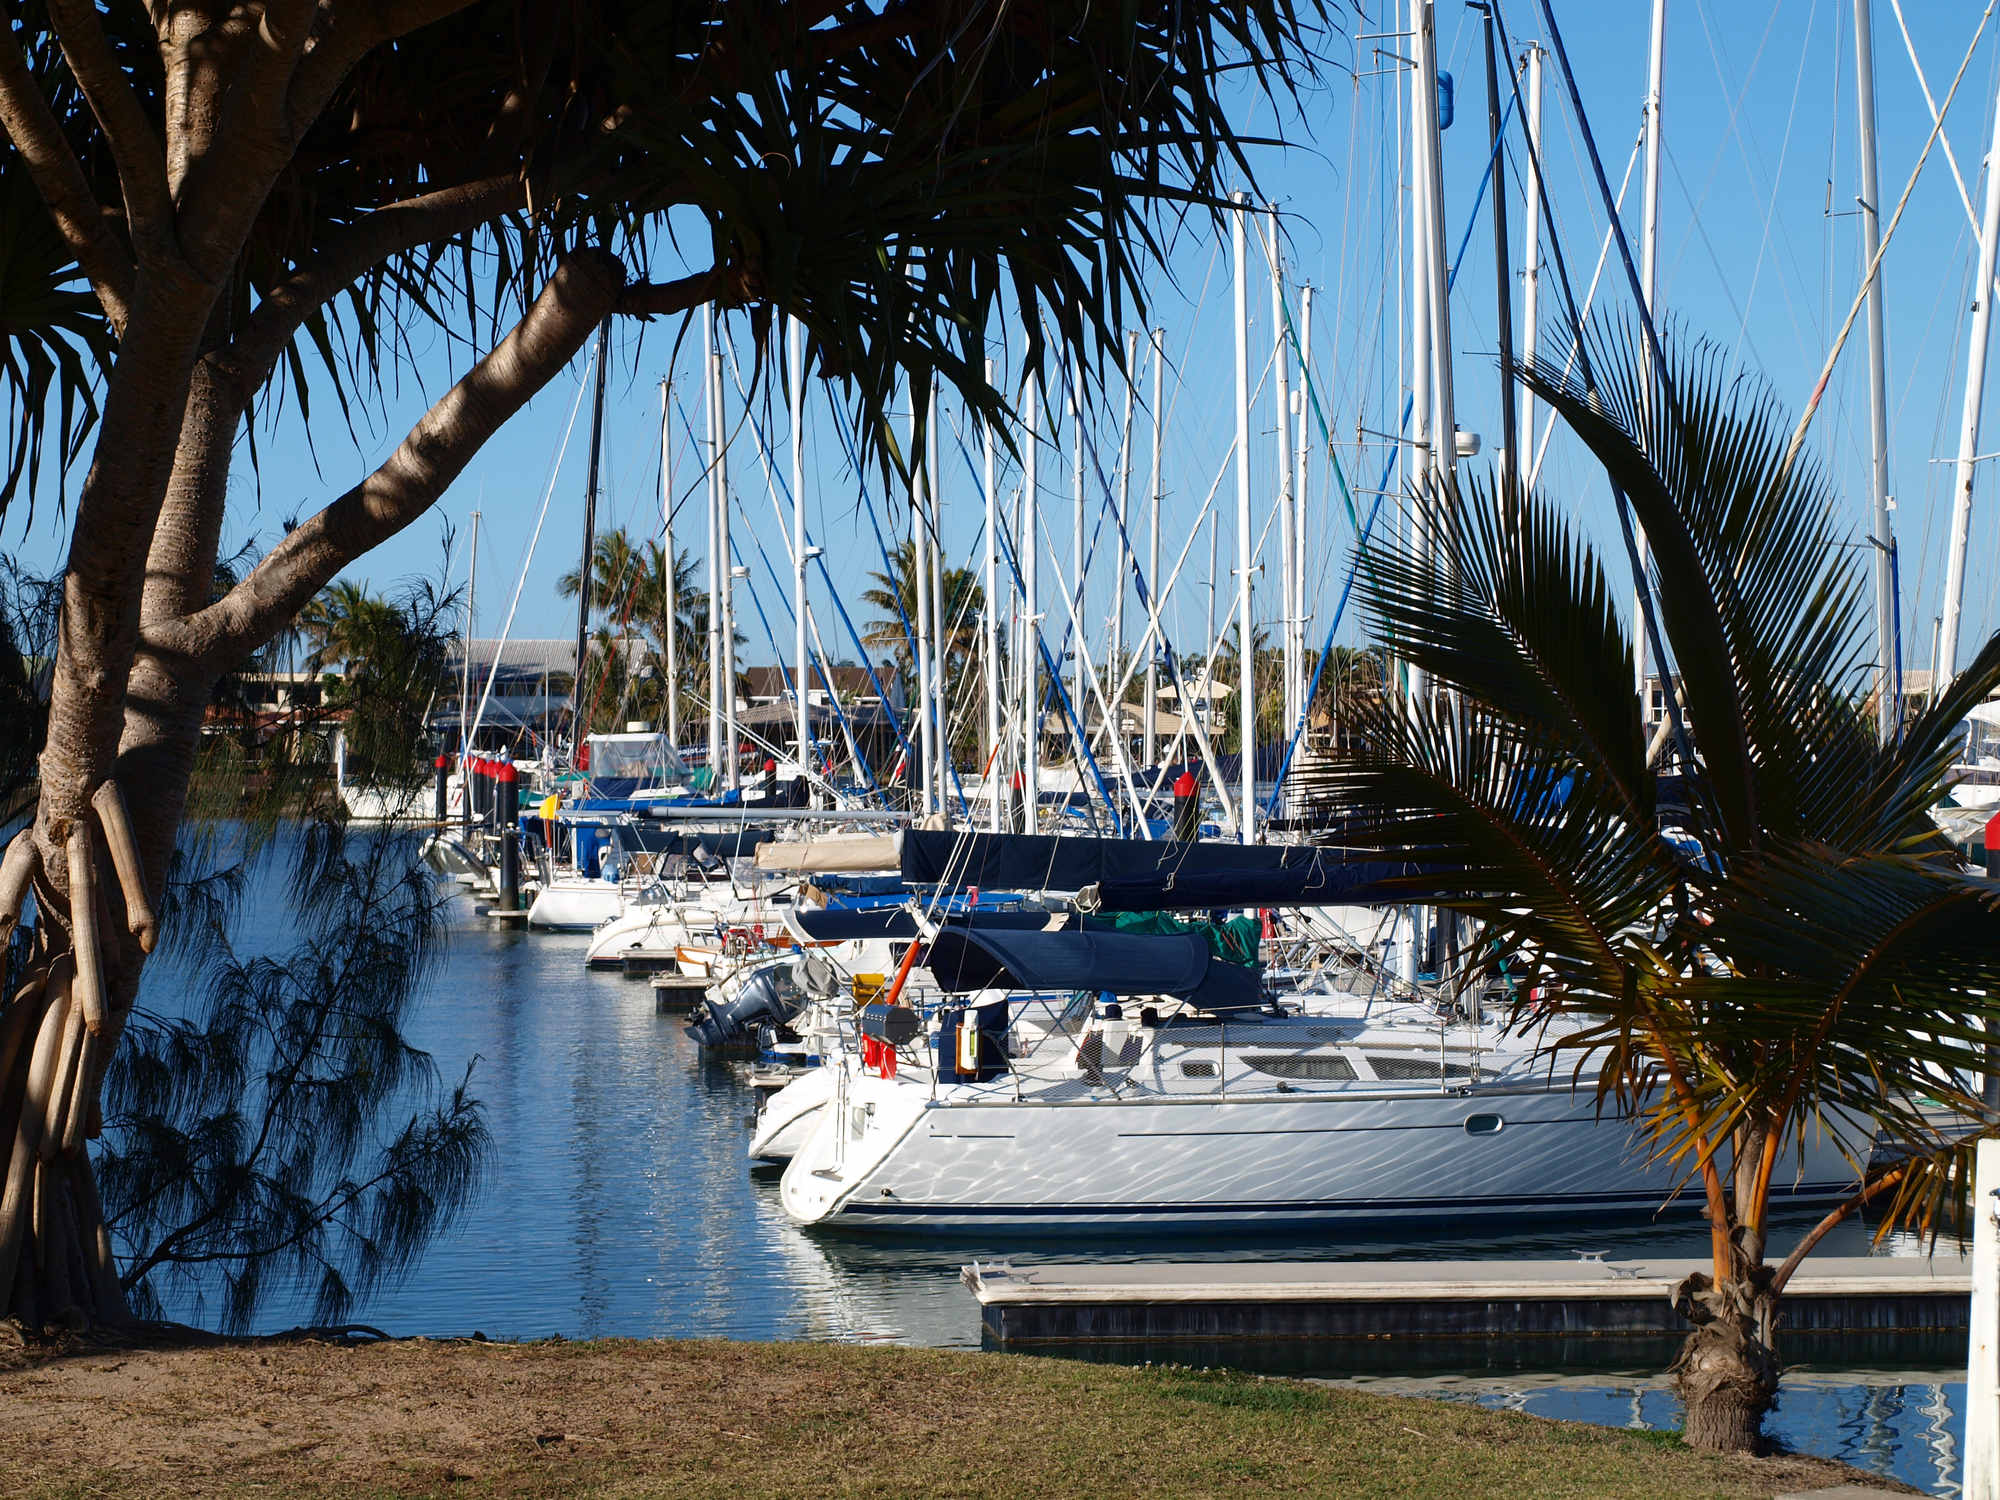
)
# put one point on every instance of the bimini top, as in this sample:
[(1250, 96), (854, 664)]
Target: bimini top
[(1122, 963), (891, 918)]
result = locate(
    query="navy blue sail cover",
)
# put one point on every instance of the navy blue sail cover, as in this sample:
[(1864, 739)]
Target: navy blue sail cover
[(1137, 875), (1122, 963)]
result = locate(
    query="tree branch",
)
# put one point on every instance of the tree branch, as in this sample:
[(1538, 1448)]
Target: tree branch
[(650, 299), (343, 257), (578, 297), (58, 177), (135, 147), (357, 29), (1827, 1225)]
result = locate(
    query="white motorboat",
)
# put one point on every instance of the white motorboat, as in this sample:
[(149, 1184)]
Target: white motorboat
[(576, 903), (1052, 1107)]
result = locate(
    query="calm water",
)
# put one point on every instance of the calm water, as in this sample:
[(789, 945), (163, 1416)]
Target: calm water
[(620, 1203)]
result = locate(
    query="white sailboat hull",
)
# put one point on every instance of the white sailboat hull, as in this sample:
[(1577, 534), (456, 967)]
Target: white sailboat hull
[(887, 1156)]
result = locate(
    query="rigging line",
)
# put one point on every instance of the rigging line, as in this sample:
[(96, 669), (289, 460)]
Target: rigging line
[(1589, 301), (1749, 149), (1770, 201), (1055, 686), (1930, 104), (868, 496), (1875, 265), (548, 493), (772, 484)]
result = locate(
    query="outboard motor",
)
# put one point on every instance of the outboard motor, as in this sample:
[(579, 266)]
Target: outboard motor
[(770, 994)]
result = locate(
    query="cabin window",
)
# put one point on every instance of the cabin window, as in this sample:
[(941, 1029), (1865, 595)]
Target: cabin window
[(1414, 1069), (1321, 1069), (1197, 1070), (1484, 1124)]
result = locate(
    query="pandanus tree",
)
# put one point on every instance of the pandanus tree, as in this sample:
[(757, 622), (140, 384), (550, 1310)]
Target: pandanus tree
[(1802, 955), (263, 191)]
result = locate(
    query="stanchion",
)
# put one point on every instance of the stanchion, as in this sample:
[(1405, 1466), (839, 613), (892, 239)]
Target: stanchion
[(506, 801)]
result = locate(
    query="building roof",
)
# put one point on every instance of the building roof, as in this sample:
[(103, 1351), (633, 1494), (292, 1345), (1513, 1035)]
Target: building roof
[(533, 657), (771, 682)]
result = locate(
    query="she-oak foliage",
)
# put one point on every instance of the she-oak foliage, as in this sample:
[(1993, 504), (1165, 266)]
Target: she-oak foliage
[(1809, 957), (263, 195)]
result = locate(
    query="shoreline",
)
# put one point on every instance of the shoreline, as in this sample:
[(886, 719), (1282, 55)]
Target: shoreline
[(206, 1416)]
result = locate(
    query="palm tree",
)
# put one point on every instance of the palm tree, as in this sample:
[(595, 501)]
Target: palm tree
[(617, 573), (957, 624), (344, 626), (1809, 956)]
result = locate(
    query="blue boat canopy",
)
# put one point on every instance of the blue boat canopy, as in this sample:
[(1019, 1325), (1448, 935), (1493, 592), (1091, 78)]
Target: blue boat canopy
[(1121, 963), (1134, 875)]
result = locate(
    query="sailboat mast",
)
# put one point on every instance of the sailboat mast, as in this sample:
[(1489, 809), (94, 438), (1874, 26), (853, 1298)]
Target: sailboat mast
[(578, 712), (1968, 429), (1246, 645), (1156, 644), (1079, 694), (1887, 686), (1300, 452), (1419, 458), (1531, 257), (670, 584), (801, 605), (1031, 656), (1503, 277), (942, 623), (921, 582), (718, 567), (1114, 667), (1288, 531), (1649, 242), (465, 656), (996, 804)]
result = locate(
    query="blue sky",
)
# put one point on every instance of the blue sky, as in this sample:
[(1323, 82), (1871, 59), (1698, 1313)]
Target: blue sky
[(1760, 145)]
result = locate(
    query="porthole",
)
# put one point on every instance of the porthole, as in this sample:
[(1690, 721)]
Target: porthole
[(1197, 1070), (1484, 1124)]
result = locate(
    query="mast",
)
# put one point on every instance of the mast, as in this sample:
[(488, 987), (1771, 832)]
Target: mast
[(1531, 258), (996, 808), (1288, 530), (1418, 453), (578, 713), (1503, 279), (921, 567), (1079, 692), (1444, 449), (1887, 673), (1968, 429), (717, 566), (942, 623), (1114, 668), (1301, 451), (801, 605), (1155, 645), (465, 656), (1031, 656), (671, 583), (1649, 240), (1246, 646)]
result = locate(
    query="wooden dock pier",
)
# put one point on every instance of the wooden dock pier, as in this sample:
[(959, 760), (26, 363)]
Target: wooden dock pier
[(1437, 1314)]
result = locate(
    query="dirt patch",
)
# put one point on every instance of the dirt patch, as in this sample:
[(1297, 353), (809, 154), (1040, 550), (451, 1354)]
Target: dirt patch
[(702, 1418)]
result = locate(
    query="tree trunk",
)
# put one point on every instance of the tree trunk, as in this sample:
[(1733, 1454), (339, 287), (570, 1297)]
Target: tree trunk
[(1727, 1372)]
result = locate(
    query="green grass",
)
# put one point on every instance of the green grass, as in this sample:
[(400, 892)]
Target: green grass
[(715, 1419)]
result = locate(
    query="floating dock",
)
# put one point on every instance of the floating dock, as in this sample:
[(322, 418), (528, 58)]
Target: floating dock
[(1376, 1315)]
